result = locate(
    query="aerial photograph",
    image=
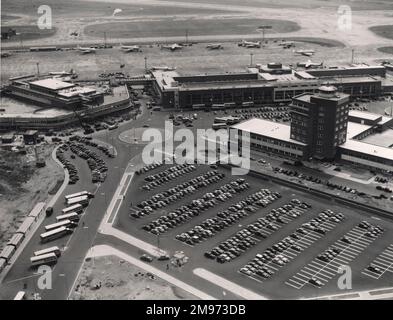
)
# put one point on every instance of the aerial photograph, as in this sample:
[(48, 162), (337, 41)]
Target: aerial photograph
[(196, 151)]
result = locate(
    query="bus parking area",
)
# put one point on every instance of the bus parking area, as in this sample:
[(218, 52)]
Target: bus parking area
[(256, 233)]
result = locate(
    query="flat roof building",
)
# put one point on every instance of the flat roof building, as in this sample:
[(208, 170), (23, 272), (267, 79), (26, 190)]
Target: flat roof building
[(320, 120), (53, 92), (271, 137), (263, 84)]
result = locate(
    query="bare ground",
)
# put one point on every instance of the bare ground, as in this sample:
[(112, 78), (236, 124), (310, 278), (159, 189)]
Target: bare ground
[(110, 278), (22, 185)]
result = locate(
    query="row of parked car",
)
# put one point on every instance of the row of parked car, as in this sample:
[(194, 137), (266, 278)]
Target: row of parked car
[(284, 116), (252, 234), (196, 207), (97, 166), (373, 231), (385, 189), (329, 254), (89, 142), (381, 179), (163, 199), (167, 175), (294, 173), (149, 167), (210, 227), (259, 265), (72, 171)]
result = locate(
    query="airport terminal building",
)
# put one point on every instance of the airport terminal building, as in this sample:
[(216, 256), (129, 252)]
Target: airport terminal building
[(264, 84), (53, 92), (331, 133), (56, 104)]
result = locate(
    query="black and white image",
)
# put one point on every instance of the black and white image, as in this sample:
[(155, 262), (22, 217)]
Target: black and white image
[(196, 150)]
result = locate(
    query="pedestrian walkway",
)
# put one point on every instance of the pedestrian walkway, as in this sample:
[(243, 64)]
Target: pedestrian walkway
[(380, 294), (227, 285), (106, 226)]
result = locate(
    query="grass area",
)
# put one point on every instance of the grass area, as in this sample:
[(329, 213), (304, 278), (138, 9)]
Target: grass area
[(356, 5), (7, 17), (195, 27), (388, 50), (385, 31), (78, 8), (318, 41), (28, 32), (110, 278)]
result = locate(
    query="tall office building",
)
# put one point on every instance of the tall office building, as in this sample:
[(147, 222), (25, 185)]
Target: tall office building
[(320, 120)]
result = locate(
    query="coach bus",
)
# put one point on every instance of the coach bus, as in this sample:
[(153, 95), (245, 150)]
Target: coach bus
[(55, 250), (64, 223), (55, 234), (78, 208), (48, 258), (73, 216), (83, 200), (79, 194)]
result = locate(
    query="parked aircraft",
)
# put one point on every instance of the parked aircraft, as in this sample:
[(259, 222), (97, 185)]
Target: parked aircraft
[(214, 46), (307, 53), (61, 73), (86, 50), (162, 68), (249, 44), (287, 44), (131, 48), (309, 64), (172, 47)]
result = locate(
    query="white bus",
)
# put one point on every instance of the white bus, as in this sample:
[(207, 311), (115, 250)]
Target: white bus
[(63, 223), (78, 208), (21, 295), (48, 258), (83, 200), (55, 250), (79, 194), (55, 234), (73, 216)]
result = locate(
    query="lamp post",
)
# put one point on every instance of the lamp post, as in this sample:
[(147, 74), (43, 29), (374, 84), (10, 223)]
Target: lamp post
[(263, 28)]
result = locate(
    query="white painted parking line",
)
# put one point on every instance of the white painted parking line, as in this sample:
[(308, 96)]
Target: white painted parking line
[(382, 263), (321, 270), (328, 273)]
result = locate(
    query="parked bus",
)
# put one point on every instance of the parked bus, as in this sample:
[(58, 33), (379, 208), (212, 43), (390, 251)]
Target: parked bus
[(79, 194), (55, 250), (78, 208), (21, 295), (48, 258), (73, 216), (3, 263), (64, 223), (55, 234), (83, 200)]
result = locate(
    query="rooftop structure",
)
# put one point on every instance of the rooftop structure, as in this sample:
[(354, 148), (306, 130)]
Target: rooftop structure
[(267, 128), (53, 92), (264, 84), (52, 84)]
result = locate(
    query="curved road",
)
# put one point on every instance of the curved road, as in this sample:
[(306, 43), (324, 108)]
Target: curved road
[(77, 245)]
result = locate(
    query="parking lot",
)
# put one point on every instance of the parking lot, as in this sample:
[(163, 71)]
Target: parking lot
[(381, 265), (259, 234)]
